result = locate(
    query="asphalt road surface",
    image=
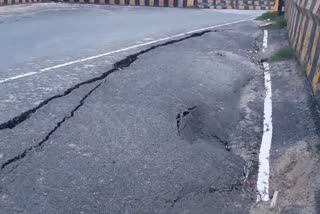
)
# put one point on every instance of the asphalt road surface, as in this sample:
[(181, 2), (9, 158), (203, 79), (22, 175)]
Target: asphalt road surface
[(168, 127)]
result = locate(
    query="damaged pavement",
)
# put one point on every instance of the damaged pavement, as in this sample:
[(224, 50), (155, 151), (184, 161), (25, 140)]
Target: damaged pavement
[(173, 128), (169, 127)]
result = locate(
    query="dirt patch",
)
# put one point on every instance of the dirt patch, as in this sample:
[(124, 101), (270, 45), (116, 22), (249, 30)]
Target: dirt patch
[(294, 161), (295, 177), (292, 175)]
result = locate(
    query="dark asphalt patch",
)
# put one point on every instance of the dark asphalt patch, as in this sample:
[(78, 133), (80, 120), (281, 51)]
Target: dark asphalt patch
[(193, 124), (180, 116)]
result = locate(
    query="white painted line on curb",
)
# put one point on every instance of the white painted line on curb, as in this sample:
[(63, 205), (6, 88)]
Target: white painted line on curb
[(120, 50), (264, 155), (265, 40)]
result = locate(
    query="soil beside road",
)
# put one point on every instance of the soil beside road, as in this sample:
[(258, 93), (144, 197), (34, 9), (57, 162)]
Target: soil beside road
[(295, 173)]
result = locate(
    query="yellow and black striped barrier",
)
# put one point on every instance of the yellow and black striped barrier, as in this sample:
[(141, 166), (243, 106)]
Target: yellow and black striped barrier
[(303, 18), (156, 3), (10, 2), (278, 7), (214, 4)]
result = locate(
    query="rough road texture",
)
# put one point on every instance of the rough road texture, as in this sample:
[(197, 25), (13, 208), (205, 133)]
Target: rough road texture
[(169, 128), (74, 31), (155, 136)]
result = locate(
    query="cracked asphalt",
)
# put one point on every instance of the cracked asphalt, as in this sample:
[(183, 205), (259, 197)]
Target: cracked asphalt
[(168, 128)]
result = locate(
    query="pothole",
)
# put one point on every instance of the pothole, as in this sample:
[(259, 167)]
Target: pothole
[(194, 124)]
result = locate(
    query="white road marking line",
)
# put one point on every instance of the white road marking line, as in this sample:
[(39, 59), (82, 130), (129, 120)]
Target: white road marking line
[(265, 40), (121, 50), (18, 77), (264, 155)]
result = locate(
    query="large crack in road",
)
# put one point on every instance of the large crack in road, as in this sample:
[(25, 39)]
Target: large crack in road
[(208, 189), (120, 65), (156, 137), (40, 144)]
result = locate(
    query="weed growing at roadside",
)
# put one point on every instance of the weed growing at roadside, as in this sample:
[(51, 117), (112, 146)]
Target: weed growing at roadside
[(283, 54), (267, 15), (193, 7), (301, 69), (279, 22)]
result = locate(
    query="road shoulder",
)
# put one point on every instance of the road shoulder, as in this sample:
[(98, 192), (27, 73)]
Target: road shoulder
[(294, 159)]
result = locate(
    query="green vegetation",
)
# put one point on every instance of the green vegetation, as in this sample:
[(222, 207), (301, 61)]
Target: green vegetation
[(268, 15), (193, 7), (302, 69), (318, 148), (283, 54), (278, 21)]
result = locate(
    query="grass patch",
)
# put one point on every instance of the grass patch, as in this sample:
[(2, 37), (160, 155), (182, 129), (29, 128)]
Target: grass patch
[(318, 148), (193, 7), (283, 54), (267, 15), (279, 22), (302, 70)]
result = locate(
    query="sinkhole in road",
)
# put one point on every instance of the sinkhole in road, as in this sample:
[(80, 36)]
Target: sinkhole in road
[(193, 124)]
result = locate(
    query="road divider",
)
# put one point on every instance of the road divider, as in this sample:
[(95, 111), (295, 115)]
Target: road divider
[(303, 18)]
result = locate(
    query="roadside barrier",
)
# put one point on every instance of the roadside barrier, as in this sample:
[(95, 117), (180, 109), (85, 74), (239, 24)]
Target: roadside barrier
[(214, 4), (9, 2), (237, 4), (303, 18)]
